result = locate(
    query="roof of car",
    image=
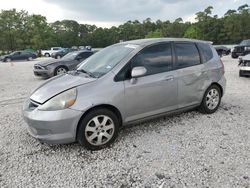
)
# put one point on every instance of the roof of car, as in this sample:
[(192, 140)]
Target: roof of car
[(143, 42)]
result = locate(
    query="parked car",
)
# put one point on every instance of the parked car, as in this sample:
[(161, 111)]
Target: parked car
[(242, 49), (222, 50), (47, 53), (18, 55), (123, 84), (61, 53), (244, 66), (53, 67)]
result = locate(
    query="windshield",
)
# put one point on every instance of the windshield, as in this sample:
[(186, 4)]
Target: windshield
[(103, 61), (245, 42), (70, 55)]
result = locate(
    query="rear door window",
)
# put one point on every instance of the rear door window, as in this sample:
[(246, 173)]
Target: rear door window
[(187, 55)]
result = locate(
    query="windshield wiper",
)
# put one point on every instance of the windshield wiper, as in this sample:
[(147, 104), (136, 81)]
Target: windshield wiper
[(86, 72)]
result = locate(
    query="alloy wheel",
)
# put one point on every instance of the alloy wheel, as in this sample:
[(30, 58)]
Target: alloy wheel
[(212, 99), (99, 130), (60, 70)]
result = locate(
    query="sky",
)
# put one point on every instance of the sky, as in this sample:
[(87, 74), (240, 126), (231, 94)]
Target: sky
[(107, 13)]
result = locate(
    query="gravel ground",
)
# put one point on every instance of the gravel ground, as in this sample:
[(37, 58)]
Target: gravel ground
[(187, 150)]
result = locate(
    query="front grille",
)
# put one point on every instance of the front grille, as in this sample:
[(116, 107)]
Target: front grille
[(239, 49)]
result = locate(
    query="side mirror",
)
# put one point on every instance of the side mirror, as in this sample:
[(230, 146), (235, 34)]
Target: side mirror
[(138, 71)]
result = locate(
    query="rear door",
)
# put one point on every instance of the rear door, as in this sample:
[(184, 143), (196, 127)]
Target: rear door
[(191, 74), (155, 92), (24, 55)]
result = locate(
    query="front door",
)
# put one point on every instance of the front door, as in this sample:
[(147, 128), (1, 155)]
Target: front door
[(155, 92)]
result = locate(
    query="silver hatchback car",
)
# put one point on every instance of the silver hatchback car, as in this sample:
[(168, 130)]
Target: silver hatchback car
[(124, 83)]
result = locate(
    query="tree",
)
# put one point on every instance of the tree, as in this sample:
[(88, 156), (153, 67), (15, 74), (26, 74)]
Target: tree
[(19, 30), (154, 34)]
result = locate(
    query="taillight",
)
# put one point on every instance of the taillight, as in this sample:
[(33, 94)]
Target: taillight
[(223, 68)]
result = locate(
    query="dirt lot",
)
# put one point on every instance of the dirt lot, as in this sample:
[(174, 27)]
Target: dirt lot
[(187, 150)]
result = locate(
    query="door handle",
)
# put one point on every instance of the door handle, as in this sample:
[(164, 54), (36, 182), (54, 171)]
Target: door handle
[(168, 78)]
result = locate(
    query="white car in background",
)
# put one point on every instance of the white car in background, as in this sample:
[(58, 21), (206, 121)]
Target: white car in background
[(47, 53), (244, 66)]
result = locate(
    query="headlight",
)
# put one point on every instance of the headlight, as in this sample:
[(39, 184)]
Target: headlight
[(247, 48), (61, 101)]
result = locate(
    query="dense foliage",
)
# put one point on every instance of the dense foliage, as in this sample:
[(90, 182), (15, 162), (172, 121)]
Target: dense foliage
[(19, 30)]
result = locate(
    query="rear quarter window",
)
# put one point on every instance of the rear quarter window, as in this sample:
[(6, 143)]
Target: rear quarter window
[(206, 51)]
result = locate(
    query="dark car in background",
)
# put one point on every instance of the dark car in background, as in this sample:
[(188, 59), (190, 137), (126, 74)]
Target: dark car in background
[(61, 53), (53, 67), (242, 49), (222, 50), (18, 55), (244, 66)]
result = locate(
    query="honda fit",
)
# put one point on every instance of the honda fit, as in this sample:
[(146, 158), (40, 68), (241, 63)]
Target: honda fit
[(123, 84)]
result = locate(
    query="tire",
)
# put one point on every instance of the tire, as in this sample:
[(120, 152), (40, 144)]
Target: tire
[(93, 136), (60, 70), (30, 58), (211, 100), (240, 73), (47, 55), (58, 57), (7, 59), (234, 56)]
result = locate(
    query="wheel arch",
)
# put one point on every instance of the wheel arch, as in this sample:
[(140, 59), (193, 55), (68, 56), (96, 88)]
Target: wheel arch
[(64, 66), (220, 87), (106, 106)]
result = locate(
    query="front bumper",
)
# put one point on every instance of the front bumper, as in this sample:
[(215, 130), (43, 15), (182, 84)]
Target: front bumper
[(244, 70), (43, 72), (54, 127)]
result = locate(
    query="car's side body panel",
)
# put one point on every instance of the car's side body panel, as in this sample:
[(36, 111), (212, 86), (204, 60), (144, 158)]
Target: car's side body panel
[(136, 99)]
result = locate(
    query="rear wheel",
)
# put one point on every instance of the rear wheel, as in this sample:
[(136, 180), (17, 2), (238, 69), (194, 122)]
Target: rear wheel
[(47, 55), (60, 70), (30, 58), (98, 129), (211, 100), (58, 57)]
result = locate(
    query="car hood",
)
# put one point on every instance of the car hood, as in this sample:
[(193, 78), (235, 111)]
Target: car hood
[(51, 61), (57, 85)]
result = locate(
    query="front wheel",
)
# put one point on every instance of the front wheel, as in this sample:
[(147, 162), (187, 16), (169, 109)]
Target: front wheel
[(47, 55), (60, 70), (234, 56), (211, 100), (7, 59), (98, 129), (58, 57)]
